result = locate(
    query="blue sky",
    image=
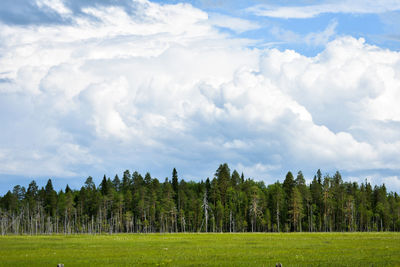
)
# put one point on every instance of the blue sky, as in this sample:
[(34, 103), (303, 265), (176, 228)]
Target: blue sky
[(98, 87)]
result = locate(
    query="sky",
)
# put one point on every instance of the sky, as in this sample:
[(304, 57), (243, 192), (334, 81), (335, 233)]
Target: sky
[(97, 87)]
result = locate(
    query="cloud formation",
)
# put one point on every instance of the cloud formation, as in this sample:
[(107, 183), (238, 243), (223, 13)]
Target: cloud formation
[(311, 39), (162, 87), (310, 11)]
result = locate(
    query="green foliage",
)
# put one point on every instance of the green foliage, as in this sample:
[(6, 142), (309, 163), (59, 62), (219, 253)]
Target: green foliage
[(50, 199), (227, 203)]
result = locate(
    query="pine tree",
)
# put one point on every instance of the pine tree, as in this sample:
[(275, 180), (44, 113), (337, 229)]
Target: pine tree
[(146, 205), (50, 200), (175, 186), (104, 186), (117, 183), (296, 209), (223, 176)]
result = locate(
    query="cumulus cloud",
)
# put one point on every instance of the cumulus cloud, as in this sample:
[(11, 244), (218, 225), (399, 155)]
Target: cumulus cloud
[(163, 87), (309, 11)]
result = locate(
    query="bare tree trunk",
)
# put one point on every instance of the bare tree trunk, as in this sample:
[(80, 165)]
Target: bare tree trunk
[(277, 214)]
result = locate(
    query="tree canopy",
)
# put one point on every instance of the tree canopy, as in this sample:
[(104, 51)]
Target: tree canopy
[(225, 203)]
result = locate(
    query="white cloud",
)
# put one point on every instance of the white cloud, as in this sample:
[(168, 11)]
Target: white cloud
[(309, 11), (258, 171), (323, 37), (103, 100), (55, 6), (60, 162), (313, 39), (236, 24), (168, 89)]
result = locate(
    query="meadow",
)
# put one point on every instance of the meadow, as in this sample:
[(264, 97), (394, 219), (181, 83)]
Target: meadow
[(239, 249)]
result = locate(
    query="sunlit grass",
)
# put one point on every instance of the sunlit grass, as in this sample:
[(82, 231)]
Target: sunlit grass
[(290, 249)]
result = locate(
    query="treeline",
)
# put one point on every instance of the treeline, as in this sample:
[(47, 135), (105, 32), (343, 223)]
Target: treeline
[(226, 203)]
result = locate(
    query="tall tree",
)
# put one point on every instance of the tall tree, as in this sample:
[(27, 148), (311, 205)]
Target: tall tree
[(223, 175), (50, 200), (116, 183), (226, 203), (288, 185), (126, 181), (175, 186), (296, 209), (104, 186)]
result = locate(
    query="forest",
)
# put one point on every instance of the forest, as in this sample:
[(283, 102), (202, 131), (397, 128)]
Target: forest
[(226, 203)]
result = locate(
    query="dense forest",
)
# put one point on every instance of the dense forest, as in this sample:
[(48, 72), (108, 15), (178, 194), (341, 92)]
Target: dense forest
[(226, 203)]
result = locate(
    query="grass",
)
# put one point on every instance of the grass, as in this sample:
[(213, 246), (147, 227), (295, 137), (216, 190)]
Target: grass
[(243, 249)]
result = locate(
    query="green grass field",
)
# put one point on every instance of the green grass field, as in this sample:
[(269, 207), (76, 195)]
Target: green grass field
[(290, 249)]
